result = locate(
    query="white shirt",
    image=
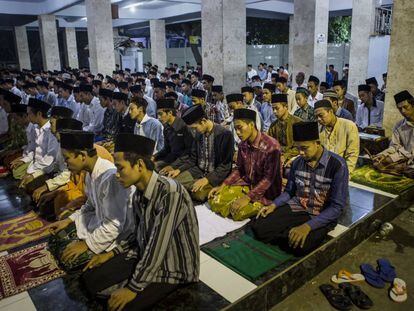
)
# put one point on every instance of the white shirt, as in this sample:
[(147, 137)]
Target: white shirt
[(292, 101), (96, 115), (106, 218), (251, 73), (16, 91), (4, 122), (63, 174), (312, 101)]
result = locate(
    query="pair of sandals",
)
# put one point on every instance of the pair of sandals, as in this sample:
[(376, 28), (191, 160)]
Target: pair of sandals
[(345, 296)]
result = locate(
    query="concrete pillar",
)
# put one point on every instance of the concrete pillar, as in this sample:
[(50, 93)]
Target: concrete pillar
[(291, 36), (71, 50), (363, 16), (310, 38), (100, 36), (49, 42), (400, 63), (158, 49), (223, 31), (117, 55), (22, 47)]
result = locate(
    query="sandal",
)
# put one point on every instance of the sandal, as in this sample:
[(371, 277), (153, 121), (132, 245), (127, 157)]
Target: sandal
[(371, 276), (336, 297), (344, 276), (357, 296), (398, 292), (386, 270)]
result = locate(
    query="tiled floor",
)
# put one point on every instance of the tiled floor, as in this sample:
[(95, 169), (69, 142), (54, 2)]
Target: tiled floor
[(218, 287)]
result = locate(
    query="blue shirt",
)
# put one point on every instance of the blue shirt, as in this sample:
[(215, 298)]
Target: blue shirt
[(344, 114), (153, 129), (69, 103), (320, 191), (262, 74), (268, 117)]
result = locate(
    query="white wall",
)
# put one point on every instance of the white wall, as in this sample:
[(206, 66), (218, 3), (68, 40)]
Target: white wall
[(378, 57)]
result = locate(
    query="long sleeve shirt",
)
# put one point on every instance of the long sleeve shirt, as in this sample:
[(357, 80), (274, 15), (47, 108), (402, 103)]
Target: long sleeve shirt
[(282, 131), (292, 105), (151, 107), (4, 122), (370, 116), (320, 191), (402, 142), (344, 114), (96, 115), (342, 139), (268, 117), (259, 167), (83, 114), (50, 98), (42, 151), (306, 113), (106, 218), (71, 104), (151, 128), (166, 241), (62, 176), (312, 100)]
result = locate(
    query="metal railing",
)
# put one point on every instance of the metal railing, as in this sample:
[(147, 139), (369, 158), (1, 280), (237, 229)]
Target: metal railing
[(383, 21)]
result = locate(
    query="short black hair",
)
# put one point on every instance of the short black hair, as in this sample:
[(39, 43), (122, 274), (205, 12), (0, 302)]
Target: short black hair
[(140, 102), (35, 111), (133, 158), (167, 110)]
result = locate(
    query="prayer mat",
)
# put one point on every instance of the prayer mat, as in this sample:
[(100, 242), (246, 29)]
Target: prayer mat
[(368, 176), (247, 256), (21, 230), (58, 243), (20, 171), (27, 268)]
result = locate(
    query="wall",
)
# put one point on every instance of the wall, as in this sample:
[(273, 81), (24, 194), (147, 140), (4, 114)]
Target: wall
[(379, 47)]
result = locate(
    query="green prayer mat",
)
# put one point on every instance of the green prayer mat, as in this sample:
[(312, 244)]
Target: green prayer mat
[(247, 256), (368, 176)]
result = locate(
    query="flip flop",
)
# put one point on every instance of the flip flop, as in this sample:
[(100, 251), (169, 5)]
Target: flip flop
[(336, 297), (386, 270), (398, 292), (371, 276), (357, 296), (344, 276)]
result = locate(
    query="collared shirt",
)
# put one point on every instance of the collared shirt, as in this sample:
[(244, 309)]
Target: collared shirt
[(111, 122), (153, 129), (342, 139), (106, 218), (312, 100), (292, 101), (320, 191), (62, 176), (217, 112), (71, 104), (177, 141), (96, 114), (206, 159), (402, 142), (151, 107), (50, 98), (259, 167), (16, 91), (282, 131), (43, 151), (4, 122), (370, 116), (306, 113), (266, 111), (165, 241), (262, 74), (251, 74)]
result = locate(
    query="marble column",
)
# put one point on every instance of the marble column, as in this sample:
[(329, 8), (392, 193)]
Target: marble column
[(71, 49), (310, 37), (22, 47), (363, 17), (100, 36), (223, 30), (49, 42), (158, 48), (400, 61)]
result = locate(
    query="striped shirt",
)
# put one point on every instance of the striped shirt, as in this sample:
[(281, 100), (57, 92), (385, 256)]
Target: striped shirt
[(166, 239), (320, 191)]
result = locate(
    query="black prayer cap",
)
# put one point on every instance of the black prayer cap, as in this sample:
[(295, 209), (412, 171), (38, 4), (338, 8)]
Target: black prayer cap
[(154, 80), (325, 84), (246, 114), (302, 90), (314, 79), (43, 83), (76, 89), (106, 92), (175, 76), (160, 85), (62, 112), (274, 75), (247, 89), (186, 81), (323, 103), (281, 80), (85, 88), (193, 114), (30, 85), (135, 88), (68, 124), (9, 81), (271, 87), (341, 83), (12, 98), (66, 86), (140, 145), (73, 139), (38, 104), (123, 85), (402, 96), (256, 77), (371, 80), (208, 78), (198, 93), (171, 84), (217, 88), (364, 88), (305, 131), (120, 96), (279, 98), (385, 74), (171, 94), (97, 82), (18, 108), (166, 103), (111, 81), (236, 97)]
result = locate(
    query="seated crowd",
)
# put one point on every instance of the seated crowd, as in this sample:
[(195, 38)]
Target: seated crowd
[(118, 163)]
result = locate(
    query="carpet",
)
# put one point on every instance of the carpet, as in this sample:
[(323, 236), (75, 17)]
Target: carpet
[(26, 269), (21, 230), (247, 256), (368, 176)]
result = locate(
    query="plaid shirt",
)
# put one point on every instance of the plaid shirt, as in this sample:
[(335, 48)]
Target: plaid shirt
[(306, 114), (320, 191)]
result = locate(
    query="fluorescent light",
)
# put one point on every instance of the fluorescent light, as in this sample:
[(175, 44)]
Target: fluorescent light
[(84, 19)]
